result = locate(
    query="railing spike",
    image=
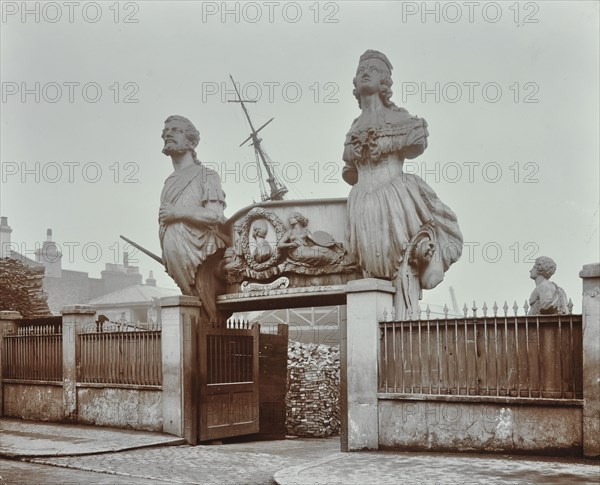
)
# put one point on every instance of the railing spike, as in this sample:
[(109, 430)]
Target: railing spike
[(465, 310), (505, 308), (570, 306), (385, 315), (526, 307), (484, 308), (428, 312), (474, 309), (495, 309), (515, 308), (445, 311), (393, 314)]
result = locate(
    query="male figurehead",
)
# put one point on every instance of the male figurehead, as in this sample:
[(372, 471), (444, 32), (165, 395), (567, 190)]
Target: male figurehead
[(191, 209)]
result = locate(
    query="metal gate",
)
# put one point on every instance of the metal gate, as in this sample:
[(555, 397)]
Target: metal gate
[(229, 397)]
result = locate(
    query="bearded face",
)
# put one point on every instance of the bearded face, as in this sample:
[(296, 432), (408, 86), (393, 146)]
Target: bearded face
[(173, 147), (175, 138)]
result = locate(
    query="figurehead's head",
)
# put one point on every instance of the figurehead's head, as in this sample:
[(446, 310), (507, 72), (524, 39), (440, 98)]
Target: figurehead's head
[(180, 136)]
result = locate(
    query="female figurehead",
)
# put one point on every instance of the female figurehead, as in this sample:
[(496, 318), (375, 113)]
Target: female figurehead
[(398, 227)]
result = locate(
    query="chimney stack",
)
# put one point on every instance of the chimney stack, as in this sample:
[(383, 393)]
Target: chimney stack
[(50, 256), (150, 281), (5, 239)]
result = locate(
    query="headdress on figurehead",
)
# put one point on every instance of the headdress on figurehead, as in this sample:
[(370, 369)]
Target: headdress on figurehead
[(372, 54)]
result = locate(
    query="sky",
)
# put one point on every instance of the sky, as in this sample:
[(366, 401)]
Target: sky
[(509, 91)]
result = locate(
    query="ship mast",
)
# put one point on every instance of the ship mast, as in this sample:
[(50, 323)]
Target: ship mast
[(278, 190)]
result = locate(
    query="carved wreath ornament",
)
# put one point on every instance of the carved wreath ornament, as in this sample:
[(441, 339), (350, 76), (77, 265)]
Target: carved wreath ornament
[(254, 214), (592, 292)]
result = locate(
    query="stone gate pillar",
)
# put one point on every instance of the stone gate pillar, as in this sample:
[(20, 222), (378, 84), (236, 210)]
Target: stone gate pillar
[(366, 300), (180, 316), (8, 326), (75, 318), (590, 310)]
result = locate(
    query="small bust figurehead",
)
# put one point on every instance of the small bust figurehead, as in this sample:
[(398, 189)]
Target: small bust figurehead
[(547, 298), (543, 267)]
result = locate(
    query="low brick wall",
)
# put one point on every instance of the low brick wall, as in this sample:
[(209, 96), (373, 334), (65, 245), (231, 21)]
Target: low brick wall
[(313, 390)]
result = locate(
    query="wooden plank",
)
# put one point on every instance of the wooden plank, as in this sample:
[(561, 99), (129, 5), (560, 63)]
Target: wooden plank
[(273, 383)]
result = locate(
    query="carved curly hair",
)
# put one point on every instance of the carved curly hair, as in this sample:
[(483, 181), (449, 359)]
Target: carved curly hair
[(385, 90), (191, 133), (546, 266), (301, 219)]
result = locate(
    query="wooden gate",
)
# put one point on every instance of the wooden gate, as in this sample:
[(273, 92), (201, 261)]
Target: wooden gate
[(229, 370)]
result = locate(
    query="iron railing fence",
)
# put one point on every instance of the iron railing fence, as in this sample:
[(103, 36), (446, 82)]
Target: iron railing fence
[(531, 356), (128, 357), (35, 352)]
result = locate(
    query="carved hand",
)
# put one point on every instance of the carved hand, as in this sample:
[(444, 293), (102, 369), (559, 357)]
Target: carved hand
[(288, 245), (168, 213)]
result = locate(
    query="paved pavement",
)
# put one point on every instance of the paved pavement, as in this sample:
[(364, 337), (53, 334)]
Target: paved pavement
[(434, 468), (291, 461), (27, 438), (22, 473)]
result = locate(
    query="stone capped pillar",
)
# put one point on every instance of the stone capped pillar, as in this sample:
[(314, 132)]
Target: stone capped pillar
[(366, 300), (9, 325), (76, 319), (590, 274), (180, 316)]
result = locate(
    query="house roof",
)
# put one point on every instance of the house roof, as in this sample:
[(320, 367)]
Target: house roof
[(134, 294), (24, 259)]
